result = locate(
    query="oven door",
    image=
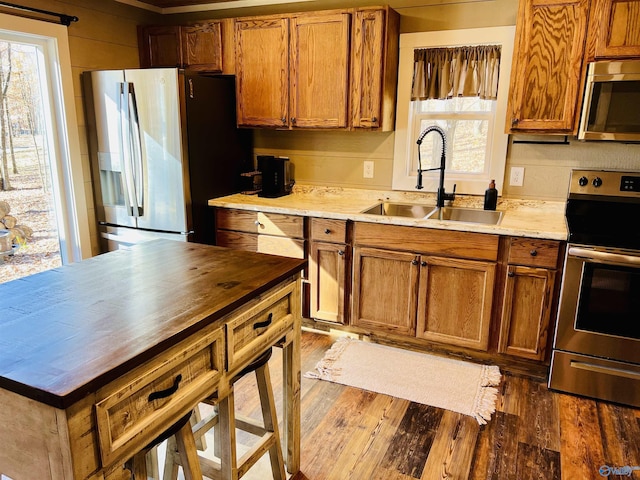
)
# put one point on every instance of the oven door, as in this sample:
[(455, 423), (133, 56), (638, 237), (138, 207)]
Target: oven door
[(599, 312)]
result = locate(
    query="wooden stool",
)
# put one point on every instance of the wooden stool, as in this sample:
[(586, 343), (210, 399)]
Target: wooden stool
[(185, 447), (224, 422)]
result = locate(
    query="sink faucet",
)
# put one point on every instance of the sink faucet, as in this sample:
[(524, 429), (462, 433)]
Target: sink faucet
[(441, 195)]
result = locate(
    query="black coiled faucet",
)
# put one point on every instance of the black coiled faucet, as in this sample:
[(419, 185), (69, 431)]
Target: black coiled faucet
[(441, 195)]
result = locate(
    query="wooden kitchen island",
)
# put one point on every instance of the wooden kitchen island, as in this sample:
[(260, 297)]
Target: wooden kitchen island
[(83, 346)]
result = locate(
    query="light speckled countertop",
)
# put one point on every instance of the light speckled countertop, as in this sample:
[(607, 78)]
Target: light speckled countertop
[(524, 218)]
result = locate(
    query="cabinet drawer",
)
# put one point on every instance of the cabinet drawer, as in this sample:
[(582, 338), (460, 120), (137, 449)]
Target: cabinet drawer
[(283, 246), (326, 230), (263, 324), (258, 222), (132, 411), (534, 252)]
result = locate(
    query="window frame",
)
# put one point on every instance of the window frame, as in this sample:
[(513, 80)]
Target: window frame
[(405, 148), (67, 172)]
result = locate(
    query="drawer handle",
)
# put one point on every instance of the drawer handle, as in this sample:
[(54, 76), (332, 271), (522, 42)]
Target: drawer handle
[(168, 392), (533, 253), (327, 231), (266, 323), (258, 224)]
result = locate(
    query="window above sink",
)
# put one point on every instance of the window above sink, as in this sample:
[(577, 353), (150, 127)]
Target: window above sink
[(413, 116)]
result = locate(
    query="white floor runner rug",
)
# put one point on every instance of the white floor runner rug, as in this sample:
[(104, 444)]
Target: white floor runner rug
[(441, 382)]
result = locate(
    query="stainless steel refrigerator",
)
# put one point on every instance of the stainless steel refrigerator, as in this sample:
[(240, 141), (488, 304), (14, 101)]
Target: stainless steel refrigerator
[(162, 142)]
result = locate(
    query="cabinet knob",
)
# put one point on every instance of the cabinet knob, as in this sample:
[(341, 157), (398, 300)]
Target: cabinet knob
[(284, 120), (514, 122), (511, 274), (423, 264), (414, 262), (293, 120), (327, 231), (258, 224), (374, 119), (341, 252), (533, 253)]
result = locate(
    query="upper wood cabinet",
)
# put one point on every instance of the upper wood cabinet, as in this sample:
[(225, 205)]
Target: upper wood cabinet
[(319, 70), (160, 46), (262, 71), (293, 72), (196, 46), (330, 69), (374, 68), (547, 70), (614, 29)]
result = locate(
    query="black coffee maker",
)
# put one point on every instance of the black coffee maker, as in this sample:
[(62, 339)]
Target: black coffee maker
[(276, 179)]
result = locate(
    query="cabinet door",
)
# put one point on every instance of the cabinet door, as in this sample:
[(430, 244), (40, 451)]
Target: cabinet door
[(454, 301), (547, 67), (615, 28), (319, 70), (385, 289), (262, 66), (524, 328), (367, 61), (327, 272), (202, 46), (161, 46)]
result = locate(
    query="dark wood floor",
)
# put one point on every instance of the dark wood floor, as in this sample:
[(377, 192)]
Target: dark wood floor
[(349, 433)]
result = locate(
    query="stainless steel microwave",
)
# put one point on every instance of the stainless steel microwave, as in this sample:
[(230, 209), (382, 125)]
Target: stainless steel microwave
[(611, 108)]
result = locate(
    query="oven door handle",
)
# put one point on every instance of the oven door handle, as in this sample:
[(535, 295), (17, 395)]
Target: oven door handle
[(604, 257), (618, 372)]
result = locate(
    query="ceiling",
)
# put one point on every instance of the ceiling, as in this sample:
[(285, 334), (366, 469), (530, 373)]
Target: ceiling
[(180, 3), (184, 6)]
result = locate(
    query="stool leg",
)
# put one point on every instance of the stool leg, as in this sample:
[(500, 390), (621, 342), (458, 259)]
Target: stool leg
[(152, 463), (188, 453), (227, 436), (170, 464), (139, 466), (269, 416)]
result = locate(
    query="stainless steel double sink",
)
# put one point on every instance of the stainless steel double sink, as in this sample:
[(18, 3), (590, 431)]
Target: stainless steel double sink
[(451, 214)]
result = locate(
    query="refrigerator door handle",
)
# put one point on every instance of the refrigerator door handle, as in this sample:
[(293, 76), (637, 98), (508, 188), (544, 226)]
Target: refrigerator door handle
[(136, 151), (128, 148)]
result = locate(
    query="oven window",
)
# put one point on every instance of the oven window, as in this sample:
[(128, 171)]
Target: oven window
[(610, 300)]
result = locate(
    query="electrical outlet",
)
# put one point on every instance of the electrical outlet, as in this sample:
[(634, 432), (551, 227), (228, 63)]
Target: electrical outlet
[(516, 178), (368, 169)]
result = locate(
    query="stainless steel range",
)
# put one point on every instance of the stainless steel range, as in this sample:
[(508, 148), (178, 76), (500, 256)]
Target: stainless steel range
[(596, 349)]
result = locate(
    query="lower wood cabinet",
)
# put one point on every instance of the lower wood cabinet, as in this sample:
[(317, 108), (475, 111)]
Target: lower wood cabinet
[(455, 298), (425, 285), (385, 290), (438, 298), (529, 296), (272, 233), (329, 270), (526, 312)]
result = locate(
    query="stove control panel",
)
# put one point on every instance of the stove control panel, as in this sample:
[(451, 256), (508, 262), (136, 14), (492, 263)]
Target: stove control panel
[(630, 183), (605, 182)]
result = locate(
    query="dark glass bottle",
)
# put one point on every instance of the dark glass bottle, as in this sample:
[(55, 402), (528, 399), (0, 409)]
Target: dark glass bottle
[(491, 196)]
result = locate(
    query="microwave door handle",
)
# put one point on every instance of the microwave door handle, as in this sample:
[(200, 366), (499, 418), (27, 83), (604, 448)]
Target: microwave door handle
[(604, 257), (125, 148), (136, 152)]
